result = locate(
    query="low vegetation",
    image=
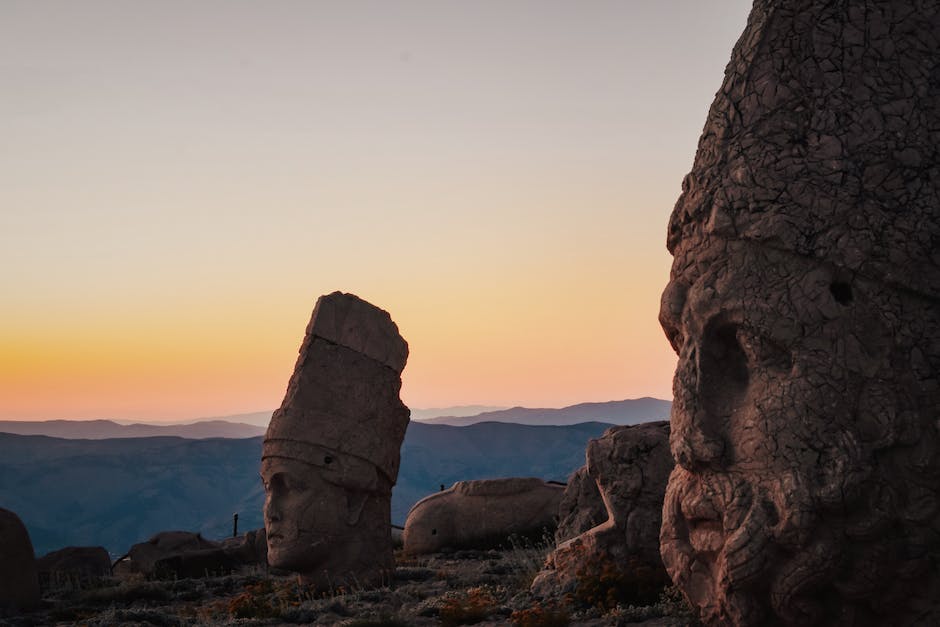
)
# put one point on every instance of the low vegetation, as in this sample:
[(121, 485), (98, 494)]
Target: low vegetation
[(452, 588)]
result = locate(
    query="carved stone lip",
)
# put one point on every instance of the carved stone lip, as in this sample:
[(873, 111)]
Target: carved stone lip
[(701, 520)]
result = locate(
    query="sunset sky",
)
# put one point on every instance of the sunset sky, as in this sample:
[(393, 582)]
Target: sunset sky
[(180, 180)]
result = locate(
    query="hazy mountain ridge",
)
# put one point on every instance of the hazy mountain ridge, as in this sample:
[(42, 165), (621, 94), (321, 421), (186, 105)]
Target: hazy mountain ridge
[(625, 412), (147, 484), (104, 429), (630, 411)]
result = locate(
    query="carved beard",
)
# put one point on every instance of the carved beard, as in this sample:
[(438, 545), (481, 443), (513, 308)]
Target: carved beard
[(736, 547)]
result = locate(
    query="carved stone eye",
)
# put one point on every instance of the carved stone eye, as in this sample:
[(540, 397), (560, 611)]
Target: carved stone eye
[(842, 292), (723, 370)]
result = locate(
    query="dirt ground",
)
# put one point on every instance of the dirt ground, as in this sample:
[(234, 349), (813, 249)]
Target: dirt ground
[(454, 588)]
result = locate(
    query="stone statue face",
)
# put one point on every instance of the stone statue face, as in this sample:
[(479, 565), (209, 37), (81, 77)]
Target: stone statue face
[(306, 516), (785, 404)]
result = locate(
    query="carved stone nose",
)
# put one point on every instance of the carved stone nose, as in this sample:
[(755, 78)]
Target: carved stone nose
[(271, 513), (697, 438), (692, 446)]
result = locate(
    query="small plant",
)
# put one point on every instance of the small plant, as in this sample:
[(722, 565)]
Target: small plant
[(254, 602), (604, 584), (385, 620), (673, 603), (527, 557), (548, 615), (467, 608)]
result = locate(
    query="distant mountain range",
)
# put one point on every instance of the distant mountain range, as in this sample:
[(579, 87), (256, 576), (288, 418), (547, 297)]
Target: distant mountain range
[(115, 492), (626, 412), (631, 411), (459, 410), (102, 429)]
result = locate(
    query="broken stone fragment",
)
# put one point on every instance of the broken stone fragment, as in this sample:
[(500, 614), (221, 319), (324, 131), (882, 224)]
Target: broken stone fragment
[(482, 513), (629, 467)]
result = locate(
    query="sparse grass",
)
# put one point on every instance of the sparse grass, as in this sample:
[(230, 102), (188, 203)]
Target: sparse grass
[(445, 589), (151, 592), (67, 581), (467, 607), (384, 620), (526, 557), (549, 614)]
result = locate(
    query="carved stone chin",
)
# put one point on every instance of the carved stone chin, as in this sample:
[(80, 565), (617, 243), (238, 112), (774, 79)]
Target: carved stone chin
[(331, 452), (804, 306)]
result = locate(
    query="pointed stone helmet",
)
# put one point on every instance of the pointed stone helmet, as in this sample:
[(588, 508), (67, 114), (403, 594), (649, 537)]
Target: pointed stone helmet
[(342, 410), (824, 141)]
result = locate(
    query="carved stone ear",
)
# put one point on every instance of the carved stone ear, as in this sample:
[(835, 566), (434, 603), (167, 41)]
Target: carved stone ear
[(355, 502)]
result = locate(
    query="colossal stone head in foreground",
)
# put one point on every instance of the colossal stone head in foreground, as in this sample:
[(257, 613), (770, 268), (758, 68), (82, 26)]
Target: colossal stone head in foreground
[(331, 452), (804, 305)]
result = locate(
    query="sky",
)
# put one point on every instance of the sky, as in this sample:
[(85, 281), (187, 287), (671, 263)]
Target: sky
[(180, 180)]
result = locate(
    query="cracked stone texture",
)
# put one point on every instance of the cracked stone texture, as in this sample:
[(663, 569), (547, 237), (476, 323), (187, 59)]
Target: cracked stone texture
[(581, 508), (19, 580), (78, 562), (145, 555), (482, 512), (332, 450), (804, 305), (629, 467)]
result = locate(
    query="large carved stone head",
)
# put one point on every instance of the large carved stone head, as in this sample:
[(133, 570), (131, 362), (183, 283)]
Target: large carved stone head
[(804, 305), (331, 452)]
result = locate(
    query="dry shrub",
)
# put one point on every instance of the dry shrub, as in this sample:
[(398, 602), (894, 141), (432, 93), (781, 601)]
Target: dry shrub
[(467, 608), (548, 615), (604, 583), (267, 598), (253, 602)]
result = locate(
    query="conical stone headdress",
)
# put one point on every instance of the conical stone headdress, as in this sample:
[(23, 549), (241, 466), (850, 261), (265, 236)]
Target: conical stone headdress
[(823, 141), (342, 409)]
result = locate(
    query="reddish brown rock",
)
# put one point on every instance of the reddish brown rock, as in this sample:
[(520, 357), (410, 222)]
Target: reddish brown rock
[(804, 305), (331, 452), (144, 556), (19, 582), (196, 564), (73, 563), (582, 507), (479, 513), (629, 466), (250, 548)]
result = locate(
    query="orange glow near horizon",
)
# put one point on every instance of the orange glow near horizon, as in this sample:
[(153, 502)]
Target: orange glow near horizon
[(559, 338)]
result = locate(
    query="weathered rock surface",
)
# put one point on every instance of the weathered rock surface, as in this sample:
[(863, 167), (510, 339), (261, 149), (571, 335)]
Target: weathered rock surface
[(629, 467), (250, 548), (82, 563), (182, 554), (581, 508), (19, 582), (196, 564), (804, 305), (144, 556), (481, 513), (331, 453)]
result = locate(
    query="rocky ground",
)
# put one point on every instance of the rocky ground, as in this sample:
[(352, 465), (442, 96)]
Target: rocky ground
[(453, 588)]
